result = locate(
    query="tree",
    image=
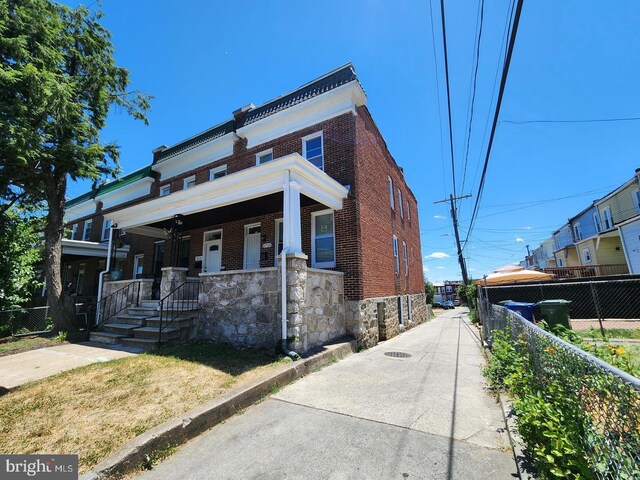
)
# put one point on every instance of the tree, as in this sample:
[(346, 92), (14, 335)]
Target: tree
[(58, 81), (429, 291)]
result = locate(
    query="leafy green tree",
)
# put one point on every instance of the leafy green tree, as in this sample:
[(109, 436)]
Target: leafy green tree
[(429, 291), (58, 81), (21, 255)]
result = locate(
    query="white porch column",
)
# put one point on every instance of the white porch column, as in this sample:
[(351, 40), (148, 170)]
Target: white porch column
[(292, 230)]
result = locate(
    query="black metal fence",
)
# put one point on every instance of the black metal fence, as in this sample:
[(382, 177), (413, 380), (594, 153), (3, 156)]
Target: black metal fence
[(178, 305), (595, 299), (609, 398)]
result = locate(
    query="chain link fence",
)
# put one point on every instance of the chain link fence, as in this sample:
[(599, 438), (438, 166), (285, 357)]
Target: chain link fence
[(615, 302), (609, 398), (25, 321)]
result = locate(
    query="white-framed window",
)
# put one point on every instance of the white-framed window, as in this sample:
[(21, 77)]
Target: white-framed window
[(189, 182), (86, 233), (636, 199), (396, 257), (560, 262), (392, 202), (323, 239), (406, 259), (400, 204), (138, 262), (408, 211), (596, 222), (279, 240), (74, 231), (313, 149), (166, 190), (577, 232), (607, 219), (218, 172), (106, 229), (586, 255), (264, 157)]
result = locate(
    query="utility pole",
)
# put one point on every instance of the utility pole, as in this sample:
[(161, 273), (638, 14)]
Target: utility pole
[(454, 218)]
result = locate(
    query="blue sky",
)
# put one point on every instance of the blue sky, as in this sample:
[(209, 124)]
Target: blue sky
[(572, 60)]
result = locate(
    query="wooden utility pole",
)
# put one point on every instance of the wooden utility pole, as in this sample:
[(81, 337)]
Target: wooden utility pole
[(454, 218)]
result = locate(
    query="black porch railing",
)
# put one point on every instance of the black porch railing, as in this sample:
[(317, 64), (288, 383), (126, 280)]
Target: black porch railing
[(116, 302), (175, 305)]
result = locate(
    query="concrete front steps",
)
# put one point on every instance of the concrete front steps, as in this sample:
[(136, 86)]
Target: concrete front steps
[(139, 327)]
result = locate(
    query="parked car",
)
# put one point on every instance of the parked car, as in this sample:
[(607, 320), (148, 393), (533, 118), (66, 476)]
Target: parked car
[(456, 302), (437, 305), (448, 305)]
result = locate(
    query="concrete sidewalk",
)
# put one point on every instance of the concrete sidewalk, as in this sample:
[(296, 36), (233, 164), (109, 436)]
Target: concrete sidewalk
[(425, 416), (25, 367)]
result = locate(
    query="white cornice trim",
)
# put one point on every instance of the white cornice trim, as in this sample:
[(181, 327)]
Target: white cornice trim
[(126, 193), (80, 210), (90, 249), (305, 114)]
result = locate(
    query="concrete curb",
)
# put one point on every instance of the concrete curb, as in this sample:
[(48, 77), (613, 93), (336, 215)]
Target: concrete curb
[(522, 460), (181, 429)]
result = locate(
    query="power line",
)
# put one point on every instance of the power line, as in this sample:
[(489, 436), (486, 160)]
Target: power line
[(503, 81), (589, 120), (446, 71)]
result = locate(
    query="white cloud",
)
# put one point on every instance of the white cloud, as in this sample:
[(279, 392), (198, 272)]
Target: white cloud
[(437, 255), (519, 239), (527, 228), (439, 217), (425, 269), (440, 268)]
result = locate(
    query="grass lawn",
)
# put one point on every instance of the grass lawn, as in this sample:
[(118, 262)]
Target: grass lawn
[(11, 345), (94, 410), (633, 333)]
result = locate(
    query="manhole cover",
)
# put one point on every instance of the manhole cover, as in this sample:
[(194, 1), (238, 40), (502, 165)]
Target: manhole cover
[(397, 354)]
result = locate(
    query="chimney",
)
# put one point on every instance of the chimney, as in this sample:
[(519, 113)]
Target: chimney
[(156, 151), (240, 114)]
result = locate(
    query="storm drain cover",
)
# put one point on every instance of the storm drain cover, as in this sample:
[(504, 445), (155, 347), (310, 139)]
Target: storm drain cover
[(397, 354)]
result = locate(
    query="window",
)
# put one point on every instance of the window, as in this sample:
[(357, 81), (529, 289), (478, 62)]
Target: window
[(406, 259), (560, 262), (279, 236), (158, 258), (576, 231), (166, 190), (607, 218), (586, 255), (80, 280), (189, 182), (217, 172), (74, 231), (138, 261), (323, 243), (264, 157), (400, 204), (408, 211), (86, 233), (312, 149), (395, 255), (106, 230), (636, 199), (183, 252), (391, 200), (596, 221)]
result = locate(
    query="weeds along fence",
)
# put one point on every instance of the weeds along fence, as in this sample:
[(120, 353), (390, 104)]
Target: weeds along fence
[(608, 398), (594, 299)]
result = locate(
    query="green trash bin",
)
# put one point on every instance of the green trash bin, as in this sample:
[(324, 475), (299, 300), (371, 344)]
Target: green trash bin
[(555, 312)]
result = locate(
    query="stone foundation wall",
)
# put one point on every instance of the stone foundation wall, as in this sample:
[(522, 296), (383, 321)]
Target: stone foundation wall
[(241, 307), (323, 308), (375, 319)]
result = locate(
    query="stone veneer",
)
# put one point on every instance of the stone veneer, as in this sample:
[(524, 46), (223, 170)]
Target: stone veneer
[(375, 319)]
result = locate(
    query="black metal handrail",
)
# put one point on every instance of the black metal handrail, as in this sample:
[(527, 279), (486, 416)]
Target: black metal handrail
[(118, 301), (181, 299)]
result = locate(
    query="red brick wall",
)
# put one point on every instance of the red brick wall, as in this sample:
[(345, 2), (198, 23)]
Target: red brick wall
[(378, 222)]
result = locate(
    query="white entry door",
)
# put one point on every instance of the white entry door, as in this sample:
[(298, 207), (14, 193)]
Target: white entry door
[(252, 246), (212, 255)]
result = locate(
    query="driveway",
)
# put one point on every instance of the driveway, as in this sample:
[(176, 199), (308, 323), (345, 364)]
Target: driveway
[(21, 368), (370, 416)]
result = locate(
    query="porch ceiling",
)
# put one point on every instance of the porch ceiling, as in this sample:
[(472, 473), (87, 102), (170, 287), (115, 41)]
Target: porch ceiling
[(84, 249), (247, 193)]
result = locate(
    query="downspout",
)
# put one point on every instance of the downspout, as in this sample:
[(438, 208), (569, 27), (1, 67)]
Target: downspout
[(104, 272)]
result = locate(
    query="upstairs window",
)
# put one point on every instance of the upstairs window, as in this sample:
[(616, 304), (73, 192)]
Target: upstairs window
[(166, 190), (86, 233), (636, 199), (323, 243), (106, 230), (577, 233), (217, 172), (607, 219), (391, 200), (406, 259), (400, 204), (596, 222), (74, 231), (408, 211), (189, 182), (264, 157), (396, 257), (312, 149)]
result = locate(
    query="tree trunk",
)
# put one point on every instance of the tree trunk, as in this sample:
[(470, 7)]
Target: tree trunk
[(61, 313)]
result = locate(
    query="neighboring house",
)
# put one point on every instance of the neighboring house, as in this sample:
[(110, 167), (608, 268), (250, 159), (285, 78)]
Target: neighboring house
[(563, 247), (447, 290), (630, 229), (307, 174)]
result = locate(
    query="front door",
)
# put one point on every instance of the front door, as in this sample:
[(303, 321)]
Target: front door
[(212, 255), (252, 247)]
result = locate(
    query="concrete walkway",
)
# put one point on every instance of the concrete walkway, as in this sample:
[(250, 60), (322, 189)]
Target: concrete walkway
[(370, 416), (21, 368)]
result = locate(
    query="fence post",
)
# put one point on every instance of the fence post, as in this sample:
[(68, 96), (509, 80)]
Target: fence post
[(597, 305)]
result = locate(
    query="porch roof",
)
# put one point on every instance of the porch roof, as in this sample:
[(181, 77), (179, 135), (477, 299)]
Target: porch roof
[(82, 248), (248, 184)]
